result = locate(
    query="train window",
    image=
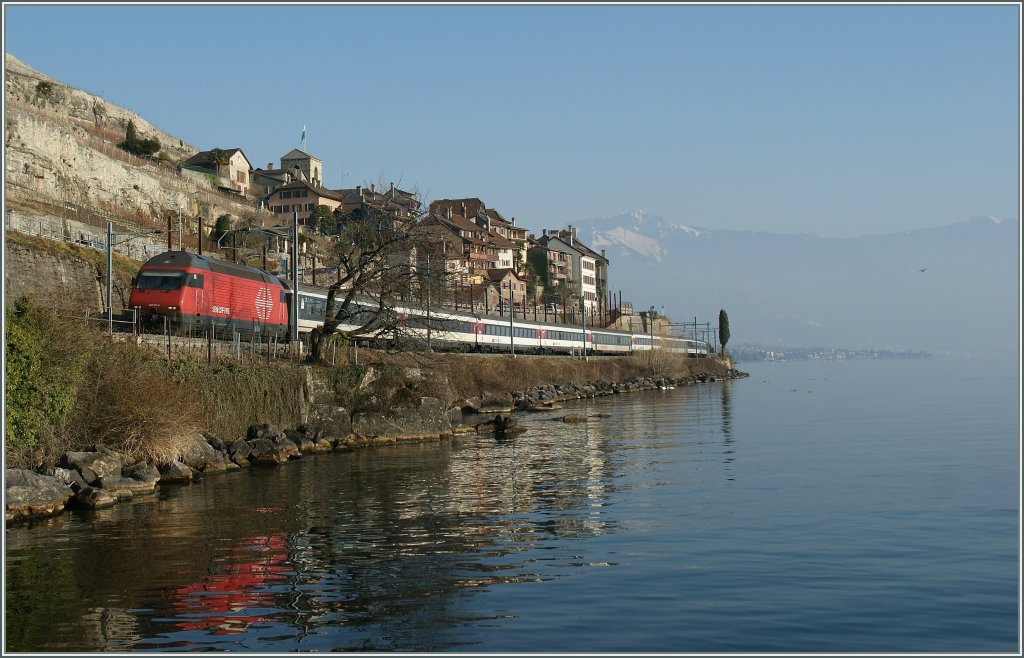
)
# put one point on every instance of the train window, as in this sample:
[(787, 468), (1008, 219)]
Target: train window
[(565, 335), (497, 330), (312, 308), (194, 281), (156, 280)]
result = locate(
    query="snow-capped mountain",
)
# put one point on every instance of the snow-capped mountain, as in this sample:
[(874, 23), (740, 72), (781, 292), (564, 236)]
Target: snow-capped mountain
[(947, 289), (638, 232)]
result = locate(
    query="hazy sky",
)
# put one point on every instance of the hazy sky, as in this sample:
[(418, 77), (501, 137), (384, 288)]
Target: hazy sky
[(829, 119)]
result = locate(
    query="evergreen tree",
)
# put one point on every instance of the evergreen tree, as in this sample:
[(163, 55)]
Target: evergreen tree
[(44, 90), (220, 227), (219, 157), (133, 144), (322, 220), (537, 266), (149, 146), (723, 328)]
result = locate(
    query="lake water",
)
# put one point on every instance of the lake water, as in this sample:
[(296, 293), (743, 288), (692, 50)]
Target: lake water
[(859, 506)]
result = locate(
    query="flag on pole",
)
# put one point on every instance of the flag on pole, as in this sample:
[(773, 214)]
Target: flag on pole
[(302, 139)]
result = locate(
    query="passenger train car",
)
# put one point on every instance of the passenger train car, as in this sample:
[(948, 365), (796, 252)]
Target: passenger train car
[(199, 291), (475, 332)]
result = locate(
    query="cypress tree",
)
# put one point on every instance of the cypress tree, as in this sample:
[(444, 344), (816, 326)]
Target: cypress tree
[(723, 328)]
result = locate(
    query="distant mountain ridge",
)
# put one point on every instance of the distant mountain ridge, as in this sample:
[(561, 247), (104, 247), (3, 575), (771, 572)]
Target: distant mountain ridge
[(930, 289)]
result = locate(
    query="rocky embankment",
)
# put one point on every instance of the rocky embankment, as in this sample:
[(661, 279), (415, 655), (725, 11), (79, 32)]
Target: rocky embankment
[(100, 477), (538, 396)]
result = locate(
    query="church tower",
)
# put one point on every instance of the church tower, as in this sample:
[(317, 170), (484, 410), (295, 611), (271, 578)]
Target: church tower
[(310, 168)]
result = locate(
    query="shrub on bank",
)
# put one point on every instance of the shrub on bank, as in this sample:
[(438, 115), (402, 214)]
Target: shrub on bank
[(69, 387), (45, 361)]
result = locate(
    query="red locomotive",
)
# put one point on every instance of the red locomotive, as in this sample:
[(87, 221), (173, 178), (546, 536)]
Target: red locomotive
[(198, 290)]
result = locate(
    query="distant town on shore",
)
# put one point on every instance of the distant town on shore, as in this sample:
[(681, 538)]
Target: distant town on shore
[(753, 353)]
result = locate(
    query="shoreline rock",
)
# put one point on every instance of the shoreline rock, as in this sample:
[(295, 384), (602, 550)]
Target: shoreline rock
[(30, 495), (101, 477)]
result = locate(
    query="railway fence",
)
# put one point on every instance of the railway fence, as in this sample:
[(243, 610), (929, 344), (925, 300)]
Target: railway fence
[(82, 227), (212, 345)]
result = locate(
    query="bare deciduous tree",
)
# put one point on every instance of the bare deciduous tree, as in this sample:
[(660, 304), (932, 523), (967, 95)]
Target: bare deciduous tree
[(375, 254)]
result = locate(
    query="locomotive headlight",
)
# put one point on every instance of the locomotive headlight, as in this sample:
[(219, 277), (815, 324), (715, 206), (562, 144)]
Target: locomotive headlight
[(172, 308)]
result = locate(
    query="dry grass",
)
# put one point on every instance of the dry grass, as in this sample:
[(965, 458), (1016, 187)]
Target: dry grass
[(132, 406), (452, 377), (233, 397)]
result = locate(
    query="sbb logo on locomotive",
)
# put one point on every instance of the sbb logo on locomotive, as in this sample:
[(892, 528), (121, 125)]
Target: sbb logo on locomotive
[(264, 304)]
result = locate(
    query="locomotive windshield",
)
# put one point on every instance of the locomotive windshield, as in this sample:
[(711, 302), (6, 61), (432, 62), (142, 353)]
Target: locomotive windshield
[(155, 280)]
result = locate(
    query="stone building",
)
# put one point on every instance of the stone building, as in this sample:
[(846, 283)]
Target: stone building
[(309, 166)]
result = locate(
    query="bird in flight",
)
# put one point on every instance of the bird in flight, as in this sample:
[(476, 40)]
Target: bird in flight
[(922, 269)]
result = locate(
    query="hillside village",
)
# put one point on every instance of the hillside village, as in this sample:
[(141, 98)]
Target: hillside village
[(484, 254), (66, 164)]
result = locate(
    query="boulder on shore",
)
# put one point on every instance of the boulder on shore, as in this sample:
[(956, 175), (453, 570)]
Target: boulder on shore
[(103, 462), (174, 471), (93, 498), (301, 439), (127, 487), (215, 442), (544, 406), (141, 471), (502, 426), (429, 420), (68, 476), (239, 452), (29, 494), (199, 455), (488, 404), (273, 451), (330, 421), (261, 431)]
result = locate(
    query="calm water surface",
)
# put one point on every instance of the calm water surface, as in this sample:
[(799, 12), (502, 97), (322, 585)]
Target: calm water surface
[(861, 506)]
